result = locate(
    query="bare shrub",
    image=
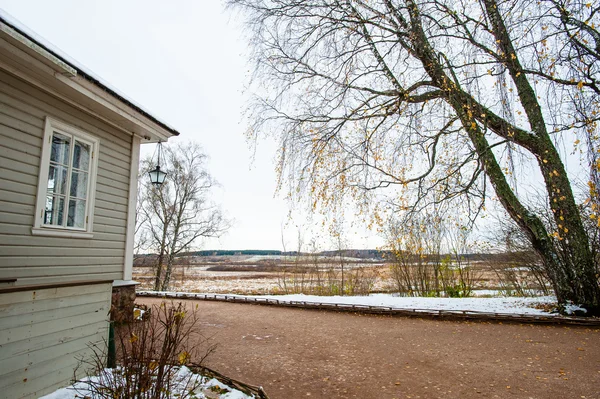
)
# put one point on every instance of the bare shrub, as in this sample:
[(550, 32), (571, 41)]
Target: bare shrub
[(418, 266), (520, 270), (415, 247), (150, 354), (326, 279), (520, 274), (458, 276)]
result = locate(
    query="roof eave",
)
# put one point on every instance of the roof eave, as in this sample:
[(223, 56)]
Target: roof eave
[(41, 65)]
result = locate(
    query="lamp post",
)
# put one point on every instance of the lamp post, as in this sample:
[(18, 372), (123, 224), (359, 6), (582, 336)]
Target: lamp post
[(157, 176)]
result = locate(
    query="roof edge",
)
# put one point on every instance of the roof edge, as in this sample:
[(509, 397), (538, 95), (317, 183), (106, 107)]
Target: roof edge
[(85, 74)]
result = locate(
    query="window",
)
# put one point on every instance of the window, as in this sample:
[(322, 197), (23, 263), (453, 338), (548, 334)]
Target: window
[(67, 179)]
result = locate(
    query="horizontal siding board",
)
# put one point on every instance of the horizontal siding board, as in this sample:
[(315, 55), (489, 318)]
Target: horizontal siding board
[(103, 228), (111, 214), (9, 250), (35, 381), (12, 218), (19, 156), (48, 340), (52, 322), (48, 379), (72, 347), (121, 188), (12, 173), (41, 294), (21, 208), (41, 241), (102, 203), (109, 159), (54, 310), (112, 174), (11, 116), (22, 362), (76, 272), (49, 383), (17, 104), (49, 304), (60, 369), (16, 187), (18, 164), (38, 104), (17, 140), (17, 197), (18, 261), (109, 221), (107, 194), (71, 278)]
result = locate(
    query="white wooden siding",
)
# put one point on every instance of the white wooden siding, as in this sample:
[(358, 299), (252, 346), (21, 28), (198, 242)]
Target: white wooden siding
[(39, 259), (44, 332)]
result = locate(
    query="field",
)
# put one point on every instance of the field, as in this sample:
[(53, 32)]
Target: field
[(322, 275)]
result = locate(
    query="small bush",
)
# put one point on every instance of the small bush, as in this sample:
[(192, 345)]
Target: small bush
[(150, 354)]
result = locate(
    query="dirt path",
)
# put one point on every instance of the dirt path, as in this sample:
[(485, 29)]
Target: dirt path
[(295, 353)]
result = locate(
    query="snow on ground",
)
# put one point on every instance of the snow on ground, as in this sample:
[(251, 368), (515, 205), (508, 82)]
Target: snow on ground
[(571, 309), (184, 379), (511, 305), (505, 305)]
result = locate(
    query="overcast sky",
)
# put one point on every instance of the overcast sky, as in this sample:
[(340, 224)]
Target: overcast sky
[(186, 63)]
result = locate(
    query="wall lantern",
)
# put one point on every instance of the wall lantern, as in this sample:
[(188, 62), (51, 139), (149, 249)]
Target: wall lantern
[(157, 176)]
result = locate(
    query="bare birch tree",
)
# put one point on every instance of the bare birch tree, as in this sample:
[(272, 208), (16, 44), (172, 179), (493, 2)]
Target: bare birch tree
[(442, 100), (176, 215)]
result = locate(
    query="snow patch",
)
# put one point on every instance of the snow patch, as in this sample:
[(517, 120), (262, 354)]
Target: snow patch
[(573, 309), (501, 305), (183, 379)]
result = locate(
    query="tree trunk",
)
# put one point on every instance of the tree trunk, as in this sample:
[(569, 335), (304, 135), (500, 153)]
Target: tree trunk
[(161, 259), (572, 265), (168, 271), (572, 270)]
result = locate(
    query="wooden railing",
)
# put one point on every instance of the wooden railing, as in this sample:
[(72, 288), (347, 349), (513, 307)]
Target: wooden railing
[(370, 309)]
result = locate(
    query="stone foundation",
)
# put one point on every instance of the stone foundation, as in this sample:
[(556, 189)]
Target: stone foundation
[(123, 298)]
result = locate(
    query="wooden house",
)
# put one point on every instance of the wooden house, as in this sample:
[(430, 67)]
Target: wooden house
[(69, 153)]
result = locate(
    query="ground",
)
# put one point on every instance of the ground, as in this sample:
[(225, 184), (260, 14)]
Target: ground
[(295, 353)]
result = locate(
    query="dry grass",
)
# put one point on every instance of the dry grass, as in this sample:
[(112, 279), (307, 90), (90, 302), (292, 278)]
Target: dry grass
[(230, 276)]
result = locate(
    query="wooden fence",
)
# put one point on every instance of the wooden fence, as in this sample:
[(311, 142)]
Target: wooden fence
[(383, 310), (251, 390)]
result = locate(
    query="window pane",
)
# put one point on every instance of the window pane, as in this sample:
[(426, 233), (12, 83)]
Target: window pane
[(54, 212), (57, 179), (76, 216), (60, 148), (79, 184), (81, 156)]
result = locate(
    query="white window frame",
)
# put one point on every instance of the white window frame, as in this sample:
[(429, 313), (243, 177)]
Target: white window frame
[(39, 228)]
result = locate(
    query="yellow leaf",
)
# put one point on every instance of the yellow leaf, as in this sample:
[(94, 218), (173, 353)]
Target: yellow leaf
[(580, 85), (184, 357)]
